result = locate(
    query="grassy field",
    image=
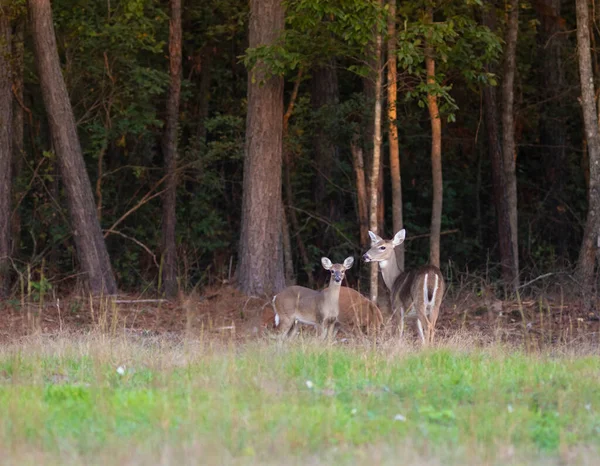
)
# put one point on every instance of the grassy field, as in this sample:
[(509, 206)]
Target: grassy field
[(94, 399)]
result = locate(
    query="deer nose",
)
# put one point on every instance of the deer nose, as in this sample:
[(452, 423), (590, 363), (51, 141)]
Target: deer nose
[(366, 257)]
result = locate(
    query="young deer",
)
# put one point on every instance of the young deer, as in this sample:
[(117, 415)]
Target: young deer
[(299, 304), (415, 293)]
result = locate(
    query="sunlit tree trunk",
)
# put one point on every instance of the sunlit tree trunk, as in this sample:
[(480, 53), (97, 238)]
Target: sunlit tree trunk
[(375, 166), (393, 131), (260, 270), (509, 151), (169, 268), (587, 253), (91, 249), (6, 155), (436, 157)]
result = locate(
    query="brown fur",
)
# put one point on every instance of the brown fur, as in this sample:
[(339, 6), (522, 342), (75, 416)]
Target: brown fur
[(408, 288), (358, 314), (407, 296)]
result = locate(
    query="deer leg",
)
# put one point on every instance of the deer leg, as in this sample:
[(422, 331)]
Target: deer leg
[(401, 322), (420, 327), (289, 328)]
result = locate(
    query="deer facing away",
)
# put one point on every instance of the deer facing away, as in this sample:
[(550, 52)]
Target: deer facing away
[(415, 293), (320, 308)]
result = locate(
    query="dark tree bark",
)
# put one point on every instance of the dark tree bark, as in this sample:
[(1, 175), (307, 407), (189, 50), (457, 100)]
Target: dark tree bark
[(501, 203), (324, 93), (553, 127), (509, 150), (6, 155), (91, 249), (18, 57), (206, 59), (169, 146), (394, 149), (260, 270), (436, 158), (587, 253)]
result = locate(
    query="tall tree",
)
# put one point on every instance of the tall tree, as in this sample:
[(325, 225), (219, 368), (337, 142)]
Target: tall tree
[(500, 189), (6, 155), (392, 88), (324, 94), (260, 269), (169, 147), (18, 58), (587, 253), (436, 153), (376, 159), (509, 151), (91, 249)]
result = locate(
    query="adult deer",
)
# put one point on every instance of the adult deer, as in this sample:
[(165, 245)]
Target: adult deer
[(415, 293), (299, 304)]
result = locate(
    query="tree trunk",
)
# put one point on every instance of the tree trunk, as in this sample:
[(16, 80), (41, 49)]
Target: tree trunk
[(361, 189), (6, 154), (169, 269), (392, 78), (17, 125), (509, 153), (91, 249), (288, 257), (260, 254), (500, 189), (206, 57), (324, 93), (587, 253), (375, 166), (436, 158)]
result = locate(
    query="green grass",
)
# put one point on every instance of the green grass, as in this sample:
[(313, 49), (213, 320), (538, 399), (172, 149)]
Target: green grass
[(63, 402)]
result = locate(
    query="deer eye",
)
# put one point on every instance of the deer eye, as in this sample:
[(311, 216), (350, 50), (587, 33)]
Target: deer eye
[(382, 248)]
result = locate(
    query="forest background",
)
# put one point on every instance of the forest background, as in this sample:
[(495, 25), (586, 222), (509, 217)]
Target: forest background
[(155, 146)]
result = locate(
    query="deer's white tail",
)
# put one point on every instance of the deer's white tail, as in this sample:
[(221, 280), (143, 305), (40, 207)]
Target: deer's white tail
[(275, 310), (429, 303)]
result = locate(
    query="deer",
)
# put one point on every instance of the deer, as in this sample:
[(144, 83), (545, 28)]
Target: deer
[(298, 304), (415, 293), (358, 314)]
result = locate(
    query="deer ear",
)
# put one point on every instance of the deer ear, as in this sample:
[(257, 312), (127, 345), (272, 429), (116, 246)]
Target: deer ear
[(374, 238), (399, 237), (348, 262), (326, 263)]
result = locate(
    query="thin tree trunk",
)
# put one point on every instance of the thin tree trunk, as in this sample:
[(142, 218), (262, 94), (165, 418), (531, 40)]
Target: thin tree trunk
[(6, 155), (169, 269), (287, 182), (18, 126), (260, 270), (361, 189), (206, 58), (587, 253), (501, 202), (392, 78), (436, 158), (375, 167), (508, 130), (91, 249), (288, 257)]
